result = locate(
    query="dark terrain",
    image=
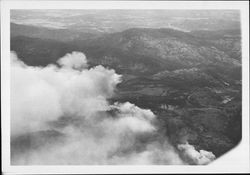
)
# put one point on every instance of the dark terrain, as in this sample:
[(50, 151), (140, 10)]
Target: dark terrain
[(190, 80)]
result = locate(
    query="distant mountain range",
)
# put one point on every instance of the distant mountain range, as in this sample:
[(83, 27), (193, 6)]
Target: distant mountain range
[(137, 50), (63, 35), (111, 21)]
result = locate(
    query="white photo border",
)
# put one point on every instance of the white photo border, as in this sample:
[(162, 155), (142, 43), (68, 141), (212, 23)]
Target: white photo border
[(236, 160)]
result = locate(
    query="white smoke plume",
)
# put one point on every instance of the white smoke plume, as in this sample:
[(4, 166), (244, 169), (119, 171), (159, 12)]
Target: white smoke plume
[(60, 115), (201, 157), (39, 94), (74, 60)]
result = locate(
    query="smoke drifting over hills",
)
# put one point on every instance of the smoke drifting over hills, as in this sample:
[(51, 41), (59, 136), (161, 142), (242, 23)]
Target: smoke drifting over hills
[(61, 115)]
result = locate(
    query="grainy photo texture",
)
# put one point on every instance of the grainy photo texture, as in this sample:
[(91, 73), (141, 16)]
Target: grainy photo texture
[(124, 87)]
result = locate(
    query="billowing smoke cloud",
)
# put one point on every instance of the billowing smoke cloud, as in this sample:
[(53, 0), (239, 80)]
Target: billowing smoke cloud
[(192, 156), (74, 60), (60, 115), (39, 94)]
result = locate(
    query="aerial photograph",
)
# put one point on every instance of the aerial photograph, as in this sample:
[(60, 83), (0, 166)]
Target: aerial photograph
[(124, 86)]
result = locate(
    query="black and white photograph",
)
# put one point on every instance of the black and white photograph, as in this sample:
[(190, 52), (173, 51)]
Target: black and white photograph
[(124, 86)]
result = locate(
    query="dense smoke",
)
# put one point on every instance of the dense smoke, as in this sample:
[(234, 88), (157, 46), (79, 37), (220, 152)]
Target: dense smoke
[(195, 157), (42, 94), (60, 115)]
